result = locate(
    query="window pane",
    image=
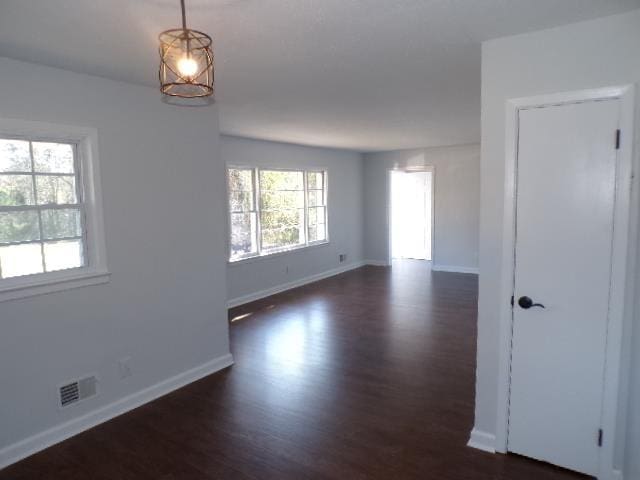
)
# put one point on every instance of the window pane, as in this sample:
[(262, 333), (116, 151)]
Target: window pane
[(53, 157), (321, 232), (282, 218), (63, 255), (14, 156), (280, 180), (315, 180), (316, 201), (53, 189), (61, 223), (17, 260), (240, 179), (16, 190), (316, 215), (313, 233), (315, 197), (281, 200), (272, 239), (19, 226), (243, 234), (241, 201), (317, 228)]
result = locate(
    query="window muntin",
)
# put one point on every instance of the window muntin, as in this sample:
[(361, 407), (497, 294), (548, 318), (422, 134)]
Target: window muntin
[(41, 209), (288, 206)]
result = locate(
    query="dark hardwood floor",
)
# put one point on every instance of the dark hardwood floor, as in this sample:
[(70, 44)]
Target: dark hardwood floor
[(367, 375)]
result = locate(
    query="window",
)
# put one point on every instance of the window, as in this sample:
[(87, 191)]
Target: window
[(281, 209), (242, 205), (275, 210), (41, 228), (316, 206), (49, 233)]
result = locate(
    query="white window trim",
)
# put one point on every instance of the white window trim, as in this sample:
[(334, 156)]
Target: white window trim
[(275, 252), (95, 271)]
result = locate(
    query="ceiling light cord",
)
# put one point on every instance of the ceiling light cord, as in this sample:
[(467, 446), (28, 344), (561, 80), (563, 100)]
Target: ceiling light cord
[(184, 15), (184, 29)]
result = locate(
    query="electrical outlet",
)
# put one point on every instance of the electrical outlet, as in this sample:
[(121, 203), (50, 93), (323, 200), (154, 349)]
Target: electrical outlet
[(124, 367), (342, 257)]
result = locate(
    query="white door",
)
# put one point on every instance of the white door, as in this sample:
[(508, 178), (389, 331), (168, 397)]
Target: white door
[(411, 214), (566, 170)]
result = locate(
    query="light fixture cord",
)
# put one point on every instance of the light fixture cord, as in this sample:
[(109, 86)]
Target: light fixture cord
[(184, 28), (184, 15)]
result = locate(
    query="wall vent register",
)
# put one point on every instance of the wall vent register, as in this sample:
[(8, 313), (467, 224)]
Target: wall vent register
[(77, 390)]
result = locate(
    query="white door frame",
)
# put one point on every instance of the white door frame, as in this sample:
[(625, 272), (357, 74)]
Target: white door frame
[(623, 214), (424, 168)]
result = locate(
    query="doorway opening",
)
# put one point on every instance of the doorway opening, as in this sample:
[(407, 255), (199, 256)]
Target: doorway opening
[(411, 211), (581, 129)]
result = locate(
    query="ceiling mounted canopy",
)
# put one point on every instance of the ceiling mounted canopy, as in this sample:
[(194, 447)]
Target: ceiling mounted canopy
[(186, 62)]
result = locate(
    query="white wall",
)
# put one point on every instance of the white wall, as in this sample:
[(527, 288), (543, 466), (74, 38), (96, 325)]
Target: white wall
[(163, 191), (456, 204), (591, 54), (344, 181)]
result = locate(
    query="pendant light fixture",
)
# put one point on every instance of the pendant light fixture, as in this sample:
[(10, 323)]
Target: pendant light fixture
[(186, 62)]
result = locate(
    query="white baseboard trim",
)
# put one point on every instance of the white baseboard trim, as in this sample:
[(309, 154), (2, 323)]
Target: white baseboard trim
[(24, 448), (487, 443), (252, 297), (377, 263), (454, 269), (482, 441)]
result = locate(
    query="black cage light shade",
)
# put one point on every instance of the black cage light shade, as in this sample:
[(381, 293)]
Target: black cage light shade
[(186, 62)]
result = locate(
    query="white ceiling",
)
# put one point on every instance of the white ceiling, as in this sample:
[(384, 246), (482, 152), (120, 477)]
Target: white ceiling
[(357, 74)]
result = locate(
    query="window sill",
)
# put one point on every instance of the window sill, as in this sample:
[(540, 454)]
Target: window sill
[(266, 256), (22, 287)]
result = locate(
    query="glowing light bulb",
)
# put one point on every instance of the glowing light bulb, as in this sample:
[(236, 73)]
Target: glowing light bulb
[(187, 67)]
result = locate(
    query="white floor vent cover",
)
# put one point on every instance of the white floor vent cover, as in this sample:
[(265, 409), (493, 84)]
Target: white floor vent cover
[(78, 390)]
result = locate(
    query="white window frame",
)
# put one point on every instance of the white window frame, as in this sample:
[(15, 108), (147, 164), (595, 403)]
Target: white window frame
[(94, 271), (262, 252)]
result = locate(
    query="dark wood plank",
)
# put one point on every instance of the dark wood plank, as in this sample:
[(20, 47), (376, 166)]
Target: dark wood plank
[(366, 375)]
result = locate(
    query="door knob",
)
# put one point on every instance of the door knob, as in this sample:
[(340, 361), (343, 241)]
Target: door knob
[(526, 303)]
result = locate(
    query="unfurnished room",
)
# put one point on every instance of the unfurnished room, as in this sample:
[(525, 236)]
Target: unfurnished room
[(319, 239)]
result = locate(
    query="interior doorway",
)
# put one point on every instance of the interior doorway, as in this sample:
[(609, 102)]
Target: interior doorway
[(569, 159), (411, 211)]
